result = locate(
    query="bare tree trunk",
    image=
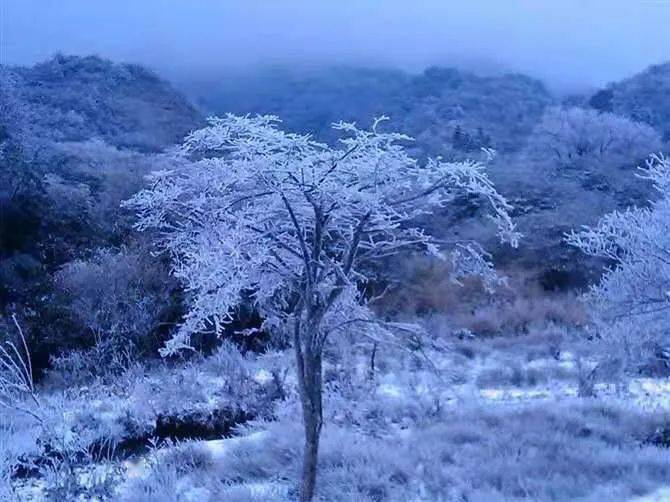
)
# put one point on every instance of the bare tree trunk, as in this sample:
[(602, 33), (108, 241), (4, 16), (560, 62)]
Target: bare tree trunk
[(309, 373), (371, 374)]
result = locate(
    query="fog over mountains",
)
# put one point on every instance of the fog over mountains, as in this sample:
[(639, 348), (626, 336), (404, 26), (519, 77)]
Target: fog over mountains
[(570, 44)]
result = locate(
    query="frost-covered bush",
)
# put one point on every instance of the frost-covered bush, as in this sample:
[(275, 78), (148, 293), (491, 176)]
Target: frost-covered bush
[(632, 300), (40, 432), (118, 299), (14, 443), (74, 459), (522, 315), (19, 174), (520, 306), (588, 139), (11, 117), (71, 200), (108, 173)]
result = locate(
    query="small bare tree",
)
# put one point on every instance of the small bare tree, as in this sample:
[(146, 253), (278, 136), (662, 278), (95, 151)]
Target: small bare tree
[(292, 224)]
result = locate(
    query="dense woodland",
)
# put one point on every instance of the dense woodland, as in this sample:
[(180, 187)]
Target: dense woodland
[(146, 351)]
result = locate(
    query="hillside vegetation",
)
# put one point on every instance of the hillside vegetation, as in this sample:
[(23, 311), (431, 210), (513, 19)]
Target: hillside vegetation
[(158, 270)]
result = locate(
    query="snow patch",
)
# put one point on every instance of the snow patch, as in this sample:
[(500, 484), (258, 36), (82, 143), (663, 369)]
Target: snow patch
[(390, 390), (219, 448), (660, 495), (263, 377)]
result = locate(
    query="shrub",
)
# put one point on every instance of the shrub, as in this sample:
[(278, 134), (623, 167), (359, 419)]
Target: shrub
[(119, 298)]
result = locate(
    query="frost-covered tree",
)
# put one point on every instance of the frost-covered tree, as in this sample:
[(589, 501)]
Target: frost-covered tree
[(632, 300), (581, 138), (292, 224)]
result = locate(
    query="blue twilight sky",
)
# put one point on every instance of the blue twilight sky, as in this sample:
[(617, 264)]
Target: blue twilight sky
[(568, 43)]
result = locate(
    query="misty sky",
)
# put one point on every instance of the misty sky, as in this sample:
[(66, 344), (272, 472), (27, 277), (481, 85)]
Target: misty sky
[(568, 43)]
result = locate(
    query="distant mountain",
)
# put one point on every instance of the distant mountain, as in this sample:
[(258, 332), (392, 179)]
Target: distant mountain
[(72, 98), (307, 101), (644, 97), (454, 113), (468, 111), (450, 112)]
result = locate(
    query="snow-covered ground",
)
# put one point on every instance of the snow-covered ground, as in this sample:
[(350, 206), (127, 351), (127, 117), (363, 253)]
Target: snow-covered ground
[(392, 409)]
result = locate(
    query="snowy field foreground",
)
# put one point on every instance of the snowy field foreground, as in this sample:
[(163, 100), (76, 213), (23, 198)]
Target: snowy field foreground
[(411, 431)]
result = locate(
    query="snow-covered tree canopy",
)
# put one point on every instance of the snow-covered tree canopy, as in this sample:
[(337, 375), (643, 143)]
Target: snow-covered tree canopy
[(637, 240), (633, 296), (582, 138), (254, 212)]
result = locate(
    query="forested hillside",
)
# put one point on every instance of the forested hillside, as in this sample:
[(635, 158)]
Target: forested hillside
[(78, 136), (449, 112), (642, 97), (176, 290)]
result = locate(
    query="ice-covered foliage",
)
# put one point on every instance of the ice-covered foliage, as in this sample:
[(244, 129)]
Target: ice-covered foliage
[(17, 143), (633, 296), (588, 139), (293, 222), (293, 225)]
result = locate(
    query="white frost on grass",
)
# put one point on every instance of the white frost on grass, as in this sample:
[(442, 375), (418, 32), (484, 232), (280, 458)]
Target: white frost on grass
[(263, 377), (651, 393), (136, 468), (516, 395), (219, 448), (647, 393), (390, 390)]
